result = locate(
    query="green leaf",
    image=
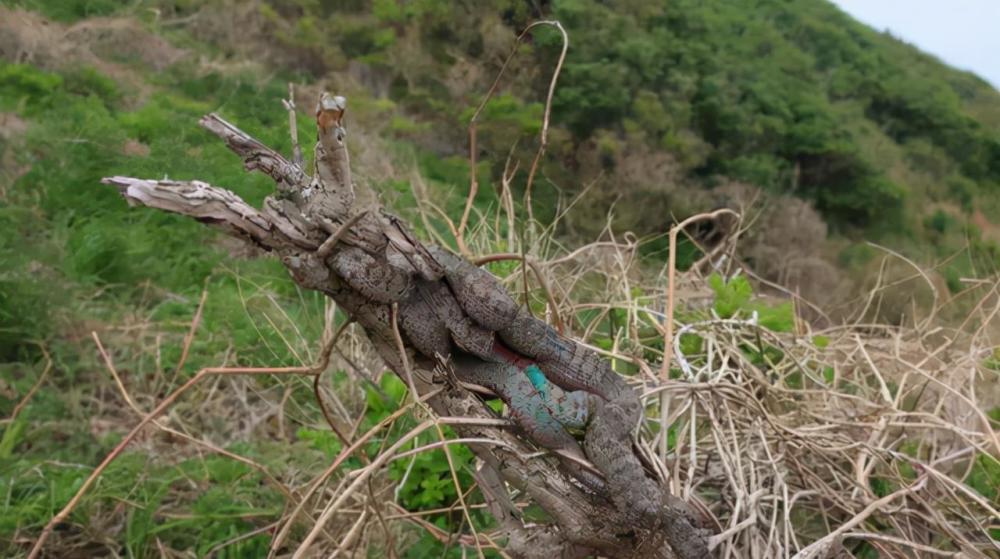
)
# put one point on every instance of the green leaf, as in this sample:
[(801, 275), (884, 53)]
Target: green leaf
[(985, 477), (730, 297), (323, 441), (11, 436), (691, 344), (383, 402), (995, 414), (779, 318), (394, 388), (881, 487), (734, 297)]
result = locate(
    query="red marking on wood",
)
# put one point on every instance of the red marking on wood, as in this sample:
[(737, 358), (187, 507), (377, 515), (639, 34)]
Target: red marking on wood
[(516, 359)]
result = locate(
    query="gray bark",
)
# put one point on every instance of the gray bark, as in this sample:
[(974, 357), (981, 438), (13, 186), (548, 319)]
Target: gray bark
[(615, 510)]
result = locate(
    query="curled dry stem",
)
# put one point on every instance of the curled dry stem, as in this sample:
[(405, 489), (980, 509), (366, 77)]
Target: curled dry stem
[(543, 137)]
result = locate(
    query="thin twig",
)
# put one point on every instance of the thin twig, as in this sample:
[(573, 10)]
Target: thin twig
[(668, 325), (31, 392), (543, 134), (330, 243), (318, 370), (192, 330), (293, 129)]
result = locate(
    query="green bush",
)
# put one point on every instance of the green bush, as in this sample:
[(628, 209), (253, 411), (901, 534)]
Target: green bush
[(72, 10), (25, 87)]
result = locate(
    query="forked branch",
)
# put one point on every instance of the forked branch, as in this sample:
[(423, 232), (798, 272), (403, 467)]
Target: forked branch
[(435, 318)]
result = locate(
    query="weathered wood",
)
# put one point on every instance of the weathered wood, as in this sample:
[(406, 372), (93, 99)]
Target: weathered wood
[(371, 264)]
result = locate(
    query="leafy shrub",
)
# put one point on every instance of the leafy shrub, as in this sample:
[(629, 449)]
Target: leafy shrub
[(25, 85), (735, 299), (71, 10)]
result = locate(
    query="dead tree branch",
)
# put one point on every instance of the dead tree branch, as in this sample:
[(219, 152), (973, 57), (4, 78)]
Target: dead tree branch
[(455, 322)]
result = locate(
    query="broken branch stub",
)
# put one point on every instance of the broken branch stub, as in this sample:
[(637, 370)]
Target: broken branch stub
[(453, 316)]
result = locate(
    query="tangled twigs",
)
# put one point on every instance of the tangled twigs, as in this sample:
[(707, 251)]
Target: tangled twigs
[(788, 438), (822, 546), (318, 369), (174, 432), (838, 445), (668, 323), (361, 476), (422, 308), (282, 534)]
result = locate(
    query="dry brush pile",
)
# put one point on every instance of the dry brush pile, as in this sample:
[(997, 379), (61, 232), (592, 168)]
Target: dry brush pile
[(798, 443)]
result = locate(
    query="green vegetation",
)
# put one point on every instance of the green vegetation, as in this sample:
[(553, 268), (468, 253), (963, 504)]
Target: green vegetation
[(664, 105), (75, 259), (791, 97), (794, 98)]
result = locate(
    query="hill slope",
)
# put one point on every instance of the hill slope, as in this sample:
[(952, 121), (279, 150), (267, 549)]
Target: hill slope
[(660, 108), (662, 104), (840, 133)]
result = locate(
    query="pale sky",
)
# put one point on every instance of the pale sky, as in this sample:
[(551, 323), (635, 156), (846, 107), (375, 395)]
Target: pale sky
[(963, 33)]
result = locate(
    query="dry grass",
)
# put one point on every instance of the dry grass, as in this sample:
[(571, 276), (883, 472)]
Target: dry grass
[(870, 438), (791, 444), (800, 444)]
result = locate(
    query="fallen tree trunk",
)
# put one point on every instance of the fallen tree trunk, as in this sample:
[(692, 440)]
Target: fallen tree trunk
[(435, 319)]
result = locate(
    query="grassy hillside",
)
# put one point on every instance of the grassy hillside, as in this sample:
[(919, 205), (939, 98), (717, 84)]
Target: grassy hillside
[(663, 110), (841, 135), (660, 104)]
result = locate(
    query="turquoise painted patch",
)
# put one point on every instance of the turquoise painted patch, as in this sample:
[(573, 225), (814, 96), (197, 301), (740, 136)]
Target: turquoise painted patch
[(538, 380)]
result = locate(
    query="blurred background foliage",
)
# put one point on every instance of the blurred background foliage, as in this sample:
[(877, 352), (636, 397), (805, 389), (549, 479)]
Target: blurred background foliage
[(838, 133)]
